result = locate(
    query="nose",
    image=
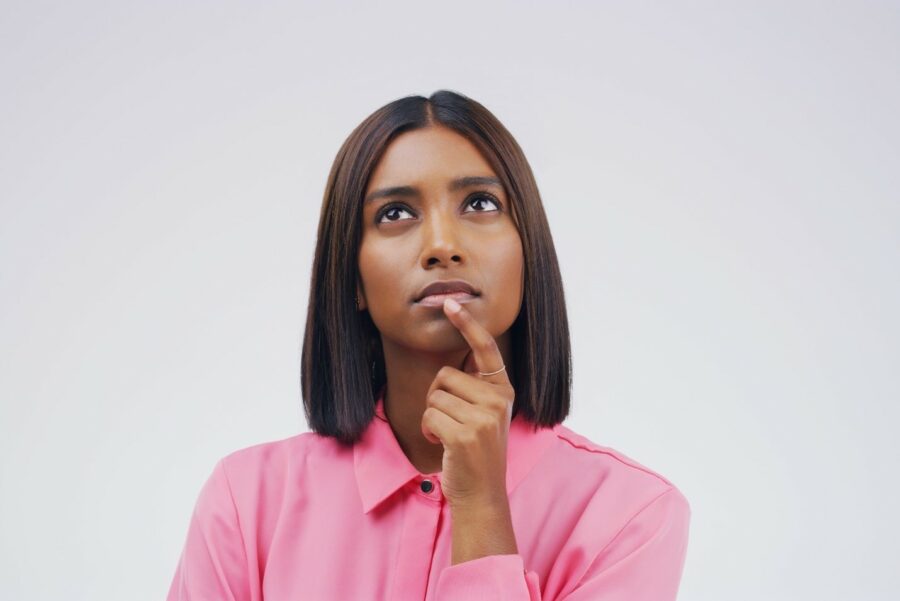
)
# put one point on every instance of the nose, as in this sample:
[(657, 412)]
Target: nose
[(441, 243)]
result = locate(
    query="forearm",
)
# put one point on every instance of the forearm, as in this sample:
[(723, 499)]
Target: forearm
[(481, 530)]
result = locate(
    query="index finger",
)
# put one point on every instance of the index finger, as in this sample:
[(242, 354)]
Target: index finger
[(485, 351)]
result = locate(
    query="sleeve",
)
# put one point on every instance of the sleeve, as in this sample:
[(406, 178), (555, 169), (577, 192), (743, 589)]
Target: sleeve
[(643, 562), (213, 564)]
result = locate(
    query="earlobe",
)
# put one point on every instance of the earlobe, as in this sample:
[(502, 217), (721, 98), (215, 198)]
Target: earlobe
[(360, 300)]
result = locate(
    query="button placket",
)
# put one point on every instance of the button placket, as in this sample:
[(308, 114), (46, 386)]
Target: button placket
[(429, 487), (417, 540)]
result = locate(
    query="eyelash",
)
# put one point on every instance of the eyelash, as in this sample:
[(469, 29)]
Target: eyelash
[(480, 195)]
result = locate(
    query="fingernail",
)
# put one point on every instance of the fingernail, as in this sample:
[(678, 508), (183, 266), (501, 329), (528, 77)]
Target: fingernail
[(452, 305)]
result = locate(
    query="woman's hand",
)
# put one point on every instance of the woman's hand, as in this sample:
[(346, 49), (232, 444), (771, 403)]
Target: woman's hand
[(469, 415)]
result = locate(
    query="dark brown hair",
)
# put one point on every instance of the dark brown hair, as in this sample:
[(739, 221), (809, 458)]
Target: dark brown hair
[(342, 365)]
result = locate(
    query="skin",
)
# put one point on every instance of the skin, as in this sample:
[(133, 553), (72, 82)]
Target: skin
[(444, 415)]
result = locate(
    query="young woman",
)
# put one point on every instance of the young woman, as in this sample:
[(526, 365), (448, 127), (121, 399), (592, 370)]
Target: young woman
[(435, 380)]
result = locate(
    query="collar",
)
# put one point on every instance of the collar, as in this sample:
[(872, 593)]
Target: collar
[(382, 468)]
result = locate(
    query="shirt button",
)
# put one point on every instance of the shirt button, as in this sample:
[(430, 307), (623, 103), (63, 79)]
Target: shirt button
[(426, 486)]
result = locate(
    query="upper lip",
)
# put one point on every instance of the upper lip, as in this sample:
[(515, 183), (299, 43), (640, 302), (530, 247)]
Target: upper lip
[(446, 286)]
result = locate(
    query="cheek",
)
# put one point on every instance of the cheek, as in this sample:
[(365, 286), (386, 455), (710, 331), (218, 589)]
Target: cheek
[(380, 274), (372, 268), (507, 267)]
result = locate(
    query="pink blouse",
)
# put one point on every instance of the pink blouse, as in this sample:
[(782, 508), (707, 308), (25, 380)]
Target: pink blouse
[(305, 519)]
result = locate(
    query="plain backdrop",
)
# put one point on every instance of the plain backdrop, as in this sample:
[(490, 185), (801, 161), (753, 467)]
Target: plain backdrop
[(721, 181)]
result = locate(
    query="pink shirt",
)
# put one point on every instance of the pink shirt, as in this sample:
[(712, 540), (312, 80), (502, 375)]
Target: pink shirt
[(305, 519)]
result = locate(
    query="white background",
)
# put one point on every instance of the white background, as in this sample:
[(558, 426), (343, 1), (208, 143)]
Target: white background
[(721, 182)]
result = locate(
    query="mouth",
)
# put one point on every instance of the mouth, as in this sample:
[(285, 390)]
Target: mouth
[(435, 293), (437, 300)]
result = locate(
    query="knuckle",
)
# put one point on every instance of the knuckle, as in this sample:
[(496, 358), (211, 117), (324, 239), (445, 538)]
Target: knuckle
[(498, 401), (485, 423), (467, 438), (487, 344)]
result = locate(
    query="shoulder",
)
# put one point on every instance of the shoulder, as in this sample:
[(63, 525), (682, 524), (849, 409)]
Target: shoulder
[(624, 484), (270, 463), (608, 457), (630, 520)]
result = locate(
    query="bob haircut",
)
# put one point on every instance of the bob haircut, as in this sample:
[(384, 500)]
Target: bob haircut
[(342, 362)]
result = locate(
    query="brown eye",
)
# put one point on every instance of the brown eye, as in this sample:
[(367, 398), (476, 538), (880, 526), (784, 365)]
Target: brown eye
[(391, 212), (479, 199)]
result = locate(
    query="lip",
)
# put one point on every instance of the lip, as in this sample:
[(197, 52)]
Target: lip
[(437, 300), (446, 288)]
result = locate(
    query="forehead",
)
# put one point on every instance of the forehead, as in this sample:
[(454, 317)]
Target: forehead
[(431, 152)]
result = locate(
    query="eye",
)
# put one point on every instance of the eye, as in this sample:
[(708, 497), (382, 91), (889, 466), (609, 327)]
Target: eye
[(390, 210), (480, 197)]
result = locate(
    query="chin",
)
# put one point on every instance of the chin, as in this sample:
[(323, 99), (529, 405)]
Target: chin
[(441, 338)]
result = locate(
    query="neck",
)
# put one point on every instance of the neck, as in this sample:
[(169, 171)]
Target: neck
[(410, 373)]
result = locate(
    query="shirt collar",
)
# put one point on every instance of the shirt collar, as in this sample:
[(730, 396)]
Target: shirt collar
[(382, 467)]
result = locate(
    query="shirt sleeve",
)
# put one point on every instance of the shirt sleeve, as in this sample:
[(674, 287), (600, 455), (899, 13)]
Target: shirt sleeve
[(643, 562), (213, 564)]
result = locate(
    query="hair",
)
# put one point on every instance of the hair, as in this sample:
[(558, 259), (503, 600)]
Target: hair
[(342, 363)]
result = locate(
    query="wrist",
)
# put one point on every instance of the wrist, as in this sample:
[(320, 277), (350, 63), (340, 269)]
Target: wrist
[(487, 505), (479, 530)]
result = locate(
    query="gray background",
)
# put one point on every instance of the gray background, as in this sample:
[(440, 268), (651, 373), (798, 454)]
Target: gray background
[(721, 181)]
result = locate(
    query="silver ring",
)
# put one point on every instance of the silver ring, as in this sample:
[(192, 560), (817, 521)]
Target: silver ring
[(481, 373)]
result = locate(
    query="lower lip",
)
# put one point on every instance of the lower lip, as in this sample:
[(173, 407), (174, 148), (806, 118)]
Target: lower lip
[(437, 300)]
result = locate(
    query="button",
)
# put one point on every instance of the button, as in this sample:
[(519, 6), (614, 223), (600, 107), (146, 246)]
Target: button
[(426, 486)]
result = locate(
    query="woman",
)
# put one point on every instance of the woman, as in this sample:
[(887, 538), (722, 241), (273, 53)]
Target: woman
[(435, 379)]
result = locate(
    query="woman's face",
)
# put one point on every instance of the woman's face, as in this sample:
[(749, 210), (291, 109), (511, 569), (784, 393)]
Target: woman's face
[(432, 227)]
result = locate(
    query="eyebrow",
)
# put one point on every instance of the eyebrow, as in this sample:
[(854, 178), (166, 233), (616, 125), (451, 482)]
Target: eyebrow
[(458, 183)]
